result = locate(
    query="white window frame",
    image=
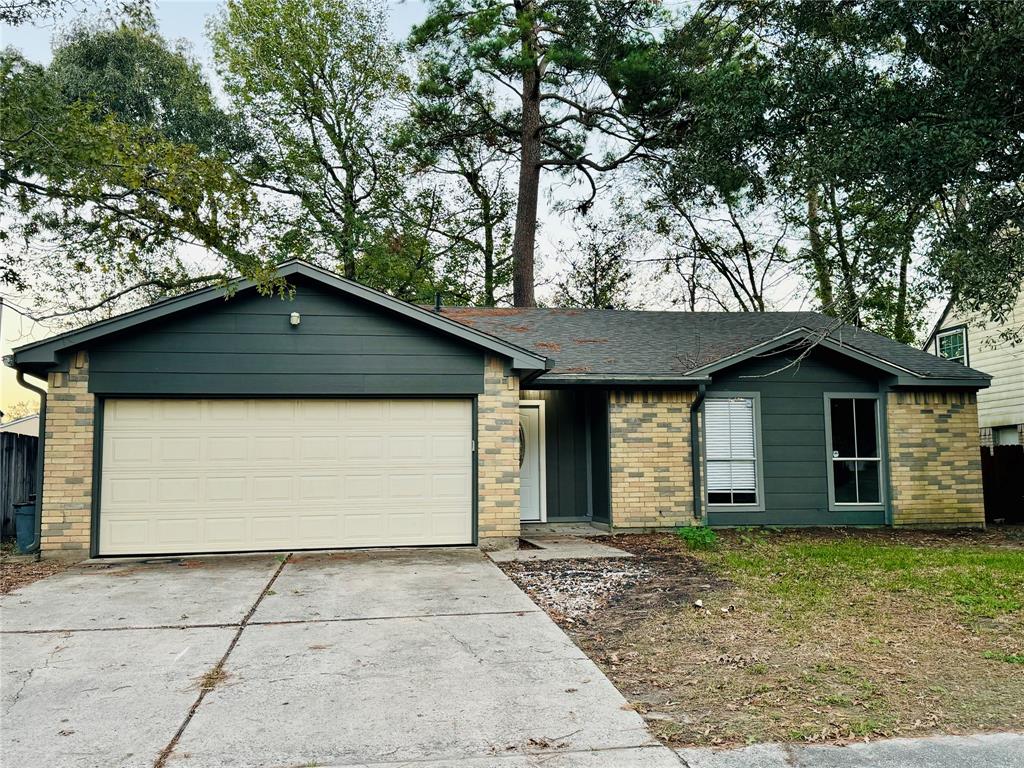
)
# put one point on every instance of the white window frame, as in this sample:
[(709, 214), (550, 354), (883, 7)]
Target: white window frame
[(758, 505), (868, 506), (961, 331)]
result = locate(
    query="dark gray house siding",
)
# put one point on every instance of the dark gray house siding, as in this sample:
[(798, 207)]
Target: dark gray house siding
[(565, 451), (576, 451), (600, 464), (245, 346), (794, 461)]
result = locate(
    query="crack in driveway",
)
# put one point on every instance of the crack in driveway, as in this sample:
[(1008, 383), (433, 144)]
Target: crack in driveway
[(218, 669)]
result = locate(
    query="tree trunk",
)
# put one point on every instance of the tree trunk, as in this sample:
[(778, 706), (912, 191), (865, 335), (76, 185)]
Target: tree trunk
[(848, 269), (529, 180), (819, 260), (348, 255), (485, 204), (901, 325)]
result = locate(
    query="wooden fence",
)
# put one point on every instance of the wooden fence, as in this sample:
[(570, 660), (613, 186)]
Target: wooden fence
[(1002, 471), (17, 474)]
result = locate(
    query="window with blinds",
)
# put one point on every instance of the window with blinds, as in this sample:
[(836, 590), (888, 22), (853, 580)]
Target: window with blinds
[(730, 450)]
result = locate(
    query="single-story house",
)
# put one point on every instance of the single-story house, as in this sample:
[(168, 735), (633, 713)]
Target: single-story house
[(226, 421)]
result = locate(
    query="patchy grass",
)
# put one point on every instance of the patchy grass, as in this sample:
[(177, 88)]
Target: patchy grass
[(17, 571), (698, 537), (213, 678), (817, 635)]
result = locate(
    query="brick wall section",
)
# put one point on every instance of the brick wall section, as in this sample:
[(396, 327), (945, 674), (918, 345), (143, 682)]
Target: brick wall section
[(935, 464), (67, 473), (498, 457), (652, 483)]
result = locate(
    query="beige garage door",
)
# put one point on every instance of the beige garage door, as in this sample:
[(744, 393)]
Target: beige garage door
[(183, 476)]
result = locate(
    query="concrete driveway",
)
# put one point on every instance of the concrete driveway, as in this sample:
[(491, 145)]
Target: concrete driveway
[(383, 658)]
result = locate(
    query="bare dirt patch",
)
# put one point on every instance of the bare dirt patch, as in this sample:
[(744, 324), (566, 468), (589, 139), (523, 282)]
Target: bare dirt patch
[(802, 635)]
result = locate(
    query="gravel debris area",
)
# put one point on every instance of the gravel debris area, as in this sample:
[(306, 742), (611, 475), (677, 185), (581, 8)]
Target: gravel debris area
[(571, 590), (612, 592)]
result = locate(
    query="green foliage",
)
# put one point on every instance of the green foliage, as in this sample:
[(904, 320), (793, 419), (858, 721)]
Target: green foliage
[(1009, 658), (315, 81), (132, 74), (887, 134), (91, 194), (599, 274), (698, 537), (467, 209), (564, 72)]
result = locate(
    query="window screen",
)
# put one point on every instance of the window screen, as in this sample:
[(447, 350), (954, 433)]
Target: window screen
[(731, 451)]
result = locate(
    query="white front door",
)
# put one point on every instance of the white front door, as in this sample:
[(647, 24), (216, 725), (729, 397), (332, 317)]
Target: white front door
[(531, 462)]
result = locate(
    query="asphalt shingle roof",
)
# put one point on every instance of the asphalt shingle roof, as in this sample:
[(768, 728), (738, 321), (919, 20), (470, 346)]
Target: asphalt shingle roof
[(626, 343)]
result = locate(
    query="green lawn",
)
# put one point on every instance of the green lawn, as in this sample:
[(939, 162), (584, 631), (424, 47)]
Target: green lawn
[(980, 581)]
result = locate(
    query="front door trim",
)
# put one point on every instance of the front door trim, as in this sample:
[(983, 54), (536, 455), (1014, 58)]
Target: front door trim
[(542, 444)]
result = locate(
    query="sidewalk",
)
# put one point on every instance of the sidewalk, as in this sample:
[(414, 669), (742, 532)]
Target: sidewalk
[(996, 750)]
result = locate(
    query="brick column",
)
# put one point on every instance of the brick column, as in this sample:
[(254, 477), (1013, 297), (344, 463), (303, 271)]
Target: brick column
[(498, 457), (67, 463), (652, 480), (934, 459)]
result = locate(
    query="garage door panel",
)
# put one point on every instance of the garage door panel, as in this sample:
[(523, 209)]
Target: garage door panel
[(226, 448), (132, 450), (236, 475), (182, 411), (271, 489), (226, 489), (318, 448), (223, 531), (179, 449)]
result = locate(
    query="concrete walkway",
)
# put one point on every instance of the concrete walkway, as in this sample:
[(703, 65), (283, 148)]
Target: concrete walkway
[(558, 547), (996, 750), (382, 658)]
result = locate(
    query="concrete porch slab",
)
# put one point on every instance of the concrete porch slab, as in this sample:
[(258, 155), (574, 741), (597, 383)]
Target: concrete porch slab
[(564, 529), (558, 548)]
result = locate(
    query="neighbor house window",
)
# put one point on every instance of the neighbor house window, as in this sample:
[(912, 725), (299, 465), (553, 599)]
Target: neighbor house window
[(953, 345), (855, 464), (730, 433)]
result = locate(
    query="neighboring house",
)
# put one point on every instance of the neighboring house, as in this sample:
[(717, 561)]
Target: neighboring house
[(26, 425), (347, 418), (987, 346)]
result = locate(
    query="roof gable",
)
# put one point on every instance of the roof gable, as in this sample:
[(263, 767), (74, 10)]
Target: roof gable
[(42, 354)]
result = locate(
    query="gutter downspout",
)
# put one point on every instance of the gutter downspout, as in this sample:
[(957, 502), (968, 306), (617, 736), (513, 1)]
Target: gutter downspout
[(20, 378), (695, 450)]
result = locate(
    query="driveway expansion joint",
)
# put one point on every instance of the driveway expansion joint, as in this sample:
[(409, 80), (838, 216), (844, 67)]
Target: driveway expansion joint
[(167, 751), (281, 622)]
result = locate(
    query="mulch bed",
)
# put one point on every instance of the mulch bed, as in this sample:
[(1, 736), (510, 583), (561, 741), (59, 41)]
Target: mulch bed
[(16, 572)]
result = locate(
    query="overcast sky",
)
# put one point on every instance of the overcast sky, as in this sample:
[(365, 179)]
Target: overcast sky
[(185, 20)]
